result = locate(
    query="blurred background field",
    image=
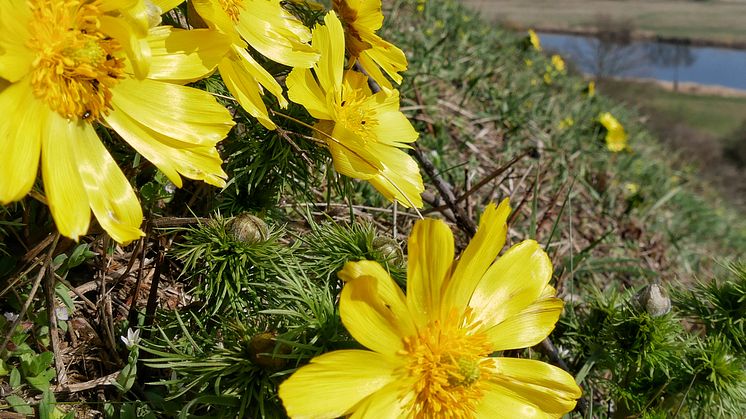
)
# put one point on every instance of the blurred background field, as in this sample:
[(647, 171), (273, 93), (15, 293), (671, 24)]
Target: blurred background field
[(716, 20)]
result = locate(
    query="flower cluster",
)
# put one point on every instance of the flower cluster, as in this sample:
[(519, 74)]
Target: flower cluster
[(72, 69), (78, 76)]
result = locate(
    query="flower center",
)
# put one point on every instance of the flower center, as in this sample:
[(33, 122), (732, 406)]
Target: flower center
[(232, 8), (353, 113), (446, 361), (75, 66)]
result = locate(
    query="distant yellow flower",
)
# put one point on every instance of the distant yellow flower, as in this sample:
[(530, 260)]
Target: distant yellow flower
[(631, 189), (547, 78), (362, 18), (566, 123), (364, 132), (591, 88), (268, 28), (533, 38), (430, 349), (616, 138), (529, 63), (421, 5), (72, 65), (558, 63)]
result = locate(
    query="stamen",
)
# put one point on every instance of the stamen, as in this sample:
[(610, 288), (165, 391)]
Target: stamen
[(76, 65), (446, 363), (232, 8)]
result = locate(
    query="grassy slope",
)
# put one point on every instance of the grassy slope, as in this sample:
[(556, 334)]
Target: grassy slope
[(717, 20), (715, 115), (701, 128), (480, 105)]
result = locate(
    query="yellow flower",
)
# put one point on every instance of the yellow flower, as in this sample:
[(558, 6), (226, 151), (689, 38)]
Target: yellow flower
[(558, 63), (616, 138), (566, 123), (591, 88), (364, 132), (72, 65), (421, 6), (362, 18), (430, 349), (631, 189), (268, 28), (533, 38), (547, 78)]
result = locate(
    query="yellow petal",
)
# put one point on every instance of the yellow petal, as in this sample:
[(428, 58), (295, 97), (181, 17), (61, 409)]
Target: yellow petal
[(66, 196), (166, 5), (551, 389), (511, 284), (189, 116), (303, 89), (385, 403), (385, 55), (133, 13), (334, 383), (353, 80), (21, 132), (479, 254), (245, 89), (276, 33), (352, 157), (497, 402), (373, 307), (527, 327), (109, 193), (400, 177), (329, 40), (135, 47), (183, 56), (431, 253), (393, 127), (169, 155), (262, 76), (368, 13), (15, 55)]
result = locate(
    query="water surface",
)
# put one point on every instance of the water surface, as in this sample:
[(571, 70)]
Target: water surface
[(656, 60)]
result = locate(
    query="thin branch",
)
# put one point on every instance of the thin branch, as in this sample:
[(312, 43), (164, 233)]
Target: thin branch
[(46, 265)]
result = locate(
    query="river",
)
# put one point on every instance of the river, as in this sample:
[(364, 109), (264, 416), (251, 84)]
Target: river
[(654, 60)]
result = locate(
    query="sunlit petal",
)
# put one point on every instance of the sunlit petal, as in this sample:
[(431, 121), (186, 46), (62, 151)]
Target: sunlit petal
[(335, 382), (276, 33), (329, 40), (15, 56), (169, 155), (527, 327), (193, 117), (386, 403), (245, 89), (110, 195), (66, 195), (549, 388), (512, 283), (303, 89), (430, 251), (479, 254), (182, 56), (21, 132), (373, 308)]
